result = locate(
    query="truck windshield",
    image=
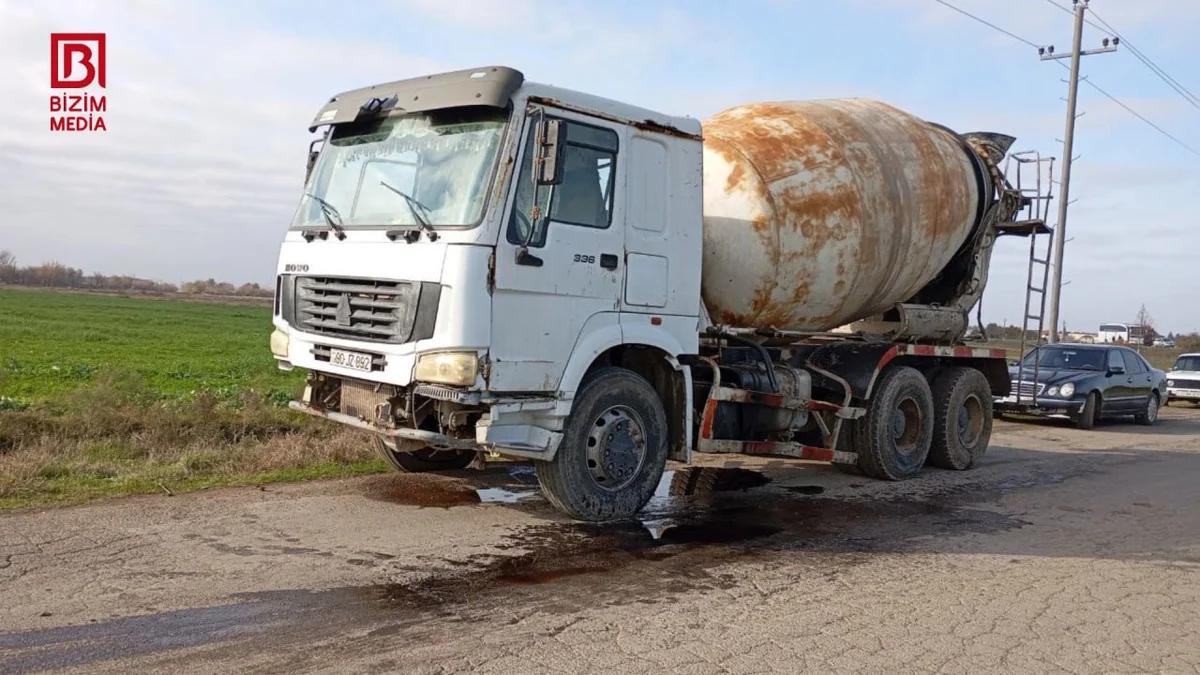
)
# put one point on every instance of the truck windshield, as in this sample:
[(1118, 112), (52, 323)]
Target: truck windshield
[(1066, 358), (375, 173), (1188, 363)]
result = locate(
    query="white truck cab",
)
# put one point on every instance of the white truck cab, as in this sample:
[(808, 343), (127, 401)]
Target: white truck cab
[(411, 265)]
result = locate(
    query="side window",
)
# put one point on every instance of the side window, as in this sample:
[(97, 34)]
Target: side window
[(583, 198), (1115, 360), (1133, 363)]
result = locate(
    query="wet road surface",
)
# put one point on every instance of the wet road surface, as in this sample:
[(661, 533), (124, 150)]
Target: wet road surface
[(1066, 551)]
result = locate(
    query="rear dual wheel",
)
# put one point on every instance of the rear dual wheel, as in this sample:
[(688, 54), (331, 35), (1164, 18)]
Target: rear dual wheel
[(963, 416), (909, 423)]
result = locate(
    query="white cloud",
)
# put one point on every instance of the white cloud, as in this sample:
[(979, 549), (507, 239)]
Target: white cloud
[(201, 166)]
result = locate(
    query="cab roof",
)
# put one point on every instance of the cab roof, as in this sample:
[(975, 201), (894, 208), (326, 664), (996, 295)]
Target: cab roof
[(493, 86)]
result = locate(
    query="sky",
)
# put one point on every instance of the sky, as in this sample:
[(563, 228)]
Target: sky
[(201, 167)]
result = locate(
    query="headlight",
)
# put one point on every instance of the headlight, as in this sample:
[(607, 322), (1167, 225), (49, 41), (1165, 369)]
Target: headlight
[(279, 343), (1053, 391), (1170, 383), (456, 368), (1067, 390)]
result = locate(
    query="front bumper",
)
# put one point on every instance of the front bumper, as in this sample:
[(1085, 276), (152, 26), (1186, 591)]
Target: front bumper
[(428, 438), (529, 428), (1042, 406), (1177, 394)]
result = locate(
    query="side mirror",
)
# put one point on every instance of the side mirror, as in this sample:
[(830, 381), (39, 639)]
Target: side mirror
[(313, 152), (1116, 370), (548, 149)]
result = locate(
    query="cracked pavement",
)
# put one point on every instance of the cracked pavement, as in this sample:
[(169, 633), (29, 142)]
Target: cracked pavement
[(1065, 551)]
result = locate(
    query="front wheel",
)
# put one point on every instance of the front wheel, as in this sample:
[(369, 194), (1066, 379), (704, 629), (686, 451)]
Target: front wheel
[(613, 449), (1087, 416), (423, 460)]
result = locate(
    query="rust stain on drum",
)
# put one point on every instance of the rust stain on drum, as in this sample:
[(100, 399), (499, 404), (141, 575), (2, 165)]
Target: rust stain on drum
[(854, 205)]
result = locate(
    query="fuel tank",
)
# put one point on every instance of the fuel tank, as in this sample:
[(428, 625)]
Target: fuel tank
[(821, 213)]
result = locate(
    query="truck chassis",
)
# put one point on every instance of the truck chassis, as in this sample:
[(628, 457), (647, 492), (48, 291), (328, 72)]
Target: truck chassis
[(838, 405)]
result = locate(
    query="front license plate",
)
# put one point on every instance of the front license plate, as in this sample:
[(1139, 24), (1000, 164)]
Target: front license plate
[(351, 360)]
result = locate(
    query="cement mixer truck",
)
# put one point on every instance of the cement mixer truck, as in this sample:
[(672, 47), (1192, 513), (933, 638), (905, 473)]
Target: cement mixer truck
[(481, 267)]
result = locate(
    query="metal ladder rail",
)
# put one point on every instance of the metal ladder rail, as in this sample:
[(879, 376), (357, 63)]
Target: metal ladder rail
[(1038, 209)]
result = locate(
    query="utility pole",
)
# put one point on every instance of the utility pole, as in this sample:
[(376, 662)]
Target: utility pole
[(1060, 230)]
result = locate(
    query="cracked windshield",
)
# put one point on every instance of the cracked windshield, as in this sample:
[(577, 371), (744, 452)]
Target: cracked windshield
[(398, 171)]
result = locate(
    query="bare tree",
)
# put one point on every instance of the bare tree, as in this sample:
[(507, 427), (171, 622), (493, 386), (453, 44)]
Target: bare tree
[(1147, 324)]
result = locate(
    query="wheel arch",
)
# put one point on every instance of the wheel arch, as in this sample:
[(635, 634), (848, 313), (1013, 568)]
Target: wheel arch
[(670, 380)]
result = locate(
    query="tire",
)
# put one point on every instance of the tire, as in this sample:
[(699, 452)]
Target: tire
[(424, 460), (1150, 415), (1087, 416), (893, 439), (962, 419), (601, 475)]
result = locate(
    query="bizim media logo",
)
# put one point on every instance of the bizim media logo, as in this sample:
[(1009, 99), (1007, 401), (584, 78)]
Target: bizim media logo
[(77, 63)]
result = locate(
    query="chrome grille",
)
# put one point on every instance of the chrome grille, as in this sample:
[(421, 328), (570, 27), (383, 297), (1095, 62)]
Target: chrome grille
[(364, 309), (1181, 383), (1027, 389)]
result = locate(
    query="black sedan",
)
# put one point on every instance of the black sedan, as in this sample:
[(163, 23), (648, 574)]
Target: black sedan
[(1085, 383)]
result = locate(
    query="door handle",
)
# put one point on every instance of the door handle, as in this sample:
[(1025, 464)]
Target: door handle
[(608, 261)]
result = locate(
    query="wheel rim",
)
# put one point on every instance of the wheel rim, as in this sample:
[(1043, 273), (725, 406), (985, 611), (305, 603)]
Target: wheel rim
[(906, 426), (970, 421), (1152, 409), (616, 448)]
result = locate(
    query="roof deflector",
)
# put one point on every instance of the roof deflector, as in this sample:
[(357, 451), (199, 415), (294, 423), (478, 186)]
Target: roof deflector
[(488, 86)]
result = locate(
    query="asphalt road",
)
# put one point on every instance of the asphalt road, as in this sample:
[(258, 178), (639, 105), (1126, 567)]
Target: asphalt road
[(1066, 551)]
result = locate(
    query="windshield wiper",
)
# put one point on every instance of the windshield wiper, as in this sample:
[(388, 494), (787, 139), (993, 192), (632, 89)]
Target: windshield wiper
[(416, 208), (330, 214)]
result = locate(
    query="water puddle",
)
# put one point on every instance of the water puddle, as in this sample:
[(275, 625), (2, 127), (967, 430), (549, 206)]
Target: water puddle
[(681, 492), (805, 489), (503, 496), (511, 485), (427, 492)]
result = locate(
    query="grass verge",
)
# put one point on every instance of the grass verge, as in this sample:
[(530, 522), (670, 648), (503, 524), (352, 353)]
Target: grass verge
[(115, 437)]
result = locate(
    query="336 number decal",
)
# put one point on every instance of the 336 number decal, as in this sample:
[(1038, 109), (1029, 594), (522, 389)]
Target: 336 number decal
[(585, 258)]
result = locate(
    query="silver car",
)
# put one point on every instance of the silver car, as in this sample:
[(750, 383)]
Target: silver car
[(1183, 380)]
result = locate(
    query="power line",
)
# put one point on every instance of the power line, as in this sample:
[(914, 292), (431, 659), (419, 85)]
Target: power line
[(1154, 68), (988, 23), (1091, 84), (1135, 113), (1146, 61)]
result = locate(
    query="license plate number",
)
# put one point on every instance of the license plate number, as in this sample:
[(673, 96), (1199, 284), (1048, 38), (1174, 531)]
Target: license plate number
[(351, 360)]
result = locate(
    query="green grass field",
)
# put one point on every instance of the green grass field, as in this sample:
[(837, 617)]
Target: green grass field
[(52, 343), (105, 396)]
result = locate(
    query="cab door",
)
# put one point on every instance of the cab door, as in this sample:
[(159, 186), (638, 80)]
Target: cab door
[(1141, 383), (558, 273), (1118, 394)]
